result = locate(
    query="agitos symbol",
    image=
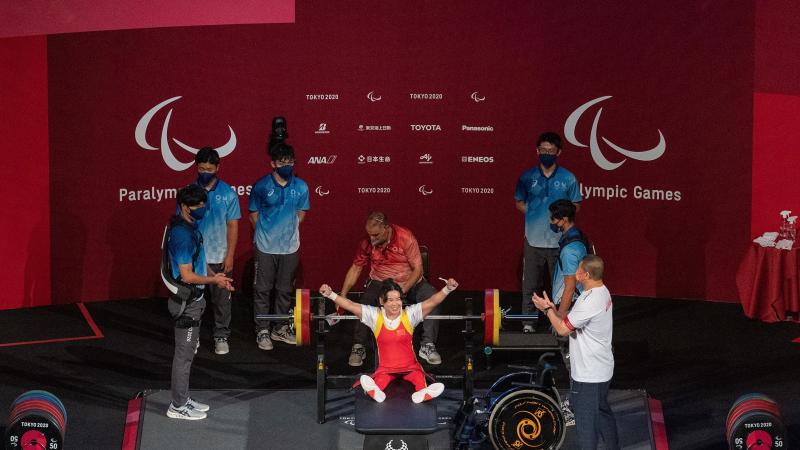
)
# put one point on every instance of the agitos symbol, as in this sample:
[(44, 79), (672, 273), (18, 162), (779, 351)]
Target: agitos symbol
[(166, 153), (597, 155)]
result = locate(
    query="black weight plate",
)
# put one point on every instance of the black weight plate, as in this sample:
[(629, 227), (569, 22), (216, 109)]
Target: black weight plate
[(754, 421), (34, 422), (526, 419)]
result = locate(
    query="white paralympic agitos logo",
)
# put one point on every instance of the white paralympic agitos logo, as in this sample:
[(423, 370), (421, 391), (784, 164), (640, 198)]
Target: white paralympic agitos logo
[(166, 152), (372, 97), (476, 97), (424, 190), (597, 154)]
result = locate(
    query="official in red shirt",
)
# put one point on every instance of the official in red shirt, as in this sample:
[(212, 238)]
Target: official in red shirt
[(390, 251)]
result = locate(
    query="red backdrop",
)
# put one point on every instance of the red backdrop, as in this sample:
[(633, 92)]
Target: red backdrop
[(533, 64)]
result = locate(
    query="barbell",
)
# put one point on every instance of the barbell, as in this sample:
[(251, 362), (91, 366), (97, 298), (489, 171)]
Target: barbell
[(492, 317)]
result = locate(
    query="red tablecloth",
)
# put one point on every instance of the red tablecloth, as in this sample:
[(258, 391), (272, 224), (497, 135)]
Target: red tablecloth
[(767, 281)]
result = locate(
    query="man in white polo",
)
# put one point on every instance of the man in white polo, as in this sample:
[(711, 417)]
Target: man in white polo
[(590, 327)]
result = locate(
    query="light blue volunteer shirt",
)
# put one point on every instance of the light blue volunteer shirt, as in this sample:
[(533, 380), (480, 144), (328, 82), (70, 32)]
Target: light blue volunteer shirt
[(538, 192), (277, 229)]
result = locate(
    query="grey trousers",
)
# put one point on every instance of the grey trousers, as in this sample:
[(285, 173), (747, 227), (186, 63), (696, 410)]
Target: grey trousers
[(420, 292), (539, 264), (185, 342), (273, 271), (220, 300)]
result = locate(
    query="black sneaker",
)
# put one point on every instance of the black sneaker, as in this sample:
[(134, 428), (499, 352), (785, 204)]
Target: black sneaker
[(284, 334), (357, 355)]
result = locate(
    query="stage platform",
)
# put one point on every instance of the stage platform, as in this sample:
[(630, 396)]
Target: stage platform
[(286, 419)]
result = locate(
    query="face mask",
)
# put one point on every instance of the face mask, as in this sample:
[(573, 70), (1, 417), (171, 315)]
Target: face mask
[(555, 228), (547, 160), (204, 178), (376, 242), (198, 214), (285, 172)]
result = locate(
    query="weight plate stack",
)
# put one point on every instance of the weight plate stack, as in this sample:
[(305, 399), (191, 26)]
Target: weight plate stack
[(38, 420), (754, 422), (526, 419)]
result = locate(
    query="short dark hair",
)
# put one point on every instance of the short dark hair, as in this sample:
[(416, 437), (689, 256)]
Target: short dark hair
[(281, 151), (594, 266), (551, 137), (389, 285), (207, 155), (563, 209), (192, 195)]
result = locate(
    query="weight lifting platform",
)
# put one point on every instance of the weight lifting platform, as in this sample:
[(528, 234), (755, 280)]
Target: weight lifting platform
[(286, 419)]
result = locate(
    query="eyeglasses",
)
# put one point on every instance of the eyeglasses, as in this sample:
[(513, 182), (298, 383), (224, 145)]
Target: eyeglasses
[(547, 150), (284, 162)]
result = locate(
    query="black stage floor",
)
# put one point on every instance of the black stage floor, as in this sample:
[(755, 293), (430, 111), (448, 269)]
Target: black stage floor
[(695, 357), (285, 419)]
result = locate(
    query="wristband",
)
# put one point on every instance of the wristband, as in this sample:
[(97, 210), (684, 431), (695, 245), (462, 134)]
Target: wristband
[(447, 290), (547, 309), (332, 296)]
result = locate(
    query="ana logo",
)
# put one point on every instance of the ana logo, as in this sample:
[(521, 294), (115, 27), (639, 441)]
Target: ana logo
[(476, 97), (372, 97), (425, 191), (172, 162), (323, 128), (597, 155), (361, 128), (403, 445), (330, 159), (426, 159), (321, 192)]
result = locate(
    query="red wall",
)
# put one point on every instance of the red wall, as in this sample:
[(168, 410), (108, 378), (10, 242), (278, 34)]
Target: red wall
[(25, 221), (692, 81), (776, 115)]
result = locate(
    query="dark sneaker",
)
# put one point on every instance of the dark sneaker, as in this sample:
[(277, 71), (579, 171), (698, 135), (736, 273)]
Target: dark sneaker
[(264, 343), (202, 407), (283, 334), (221, 346), (428, 353), (527, 329), (357, 355), (185, 412)]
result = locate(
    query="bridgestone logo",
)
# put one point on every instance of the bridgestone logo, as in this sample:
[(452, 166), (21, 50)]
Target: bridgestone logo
[(471, 128), (426, 128)]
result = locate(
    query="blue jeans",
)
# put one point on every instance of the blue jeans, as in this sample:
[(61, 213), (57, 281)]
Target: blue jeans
[(593, 416)]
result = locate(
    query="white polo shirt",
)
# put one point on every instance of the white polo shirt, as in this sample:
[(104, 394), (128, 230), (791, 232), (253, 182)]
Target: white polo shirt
[(591, 322)]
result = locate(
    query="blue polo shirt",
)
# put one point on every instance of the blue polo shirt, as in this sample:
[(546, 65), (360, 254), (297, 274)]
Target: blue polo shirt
[(183, 242), (569, 257), (277, 230), (538, 192), (222, 206)]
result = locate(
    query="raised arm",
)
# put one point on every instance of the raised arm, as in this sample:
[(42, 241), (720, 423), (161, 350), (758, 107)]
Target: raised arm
[(341, 302), (431, 303)]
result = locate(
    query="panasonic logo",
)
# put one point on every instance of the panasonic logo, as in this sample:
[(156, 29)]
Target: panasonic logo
[(471, 128), (431, 127)]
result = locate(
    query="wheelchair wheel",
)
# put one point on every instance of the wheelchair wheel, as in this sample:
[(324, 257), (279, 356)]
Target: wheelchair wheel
[(526, 419)]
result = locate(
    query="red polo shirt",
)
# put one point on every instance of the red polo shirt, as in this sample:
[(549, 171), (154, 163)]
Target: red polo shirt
[(394, 259)]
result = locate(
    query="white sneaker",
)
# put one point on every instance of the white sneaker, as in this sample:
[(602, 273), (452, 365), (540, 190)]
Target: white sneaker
[(428, 353), (284, 334), (221, 346), (372, 389), (185, 412), (197, 405), (427, 393), (263, 340), (357, 355)]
